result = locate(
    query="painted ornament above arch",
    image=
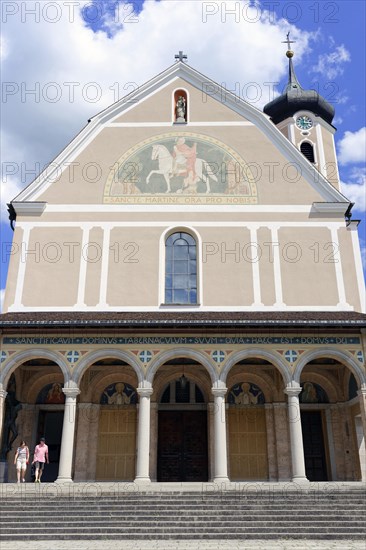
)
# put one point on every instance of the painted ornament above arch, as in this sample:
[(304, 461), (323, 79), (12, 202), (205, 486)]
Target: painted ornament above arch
[(119, 393), (180, 168), (313, 393), (51, 394), (246, 393)]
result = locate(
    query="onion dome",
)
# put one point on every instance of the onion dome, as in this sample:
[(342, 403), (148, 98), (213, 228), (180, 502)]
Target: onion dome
[(295, 99)]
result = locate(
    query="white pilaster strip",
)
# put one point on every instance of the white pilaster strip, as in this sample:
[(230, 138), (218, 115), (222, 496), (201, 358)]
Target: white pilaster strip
[(255, 269), (83, 267), (105, 267), (358, 265), (277, 268), (319, 139), (338, 270), (17, 306)]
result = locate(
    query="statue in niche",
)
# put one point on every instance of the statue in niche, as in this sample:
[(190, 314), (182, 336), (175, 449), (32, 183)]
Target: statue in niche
[(12, 407), (180, 109)]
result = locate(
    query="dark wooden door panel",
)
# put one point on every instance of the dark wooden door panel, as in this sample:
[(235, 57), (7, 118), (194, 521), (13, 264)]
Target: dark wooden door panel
[(182, 446), (314, 449)]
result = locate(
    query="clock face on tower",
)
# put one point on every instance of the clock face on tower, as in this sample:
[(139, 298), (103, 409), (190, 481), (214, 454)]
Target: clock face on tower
[(304, 122)]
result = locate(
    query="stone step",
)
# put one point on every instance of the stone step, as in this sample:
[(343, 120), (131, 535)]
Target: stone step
[(249, 522), (270, 536), (182, 533), (142, 515)]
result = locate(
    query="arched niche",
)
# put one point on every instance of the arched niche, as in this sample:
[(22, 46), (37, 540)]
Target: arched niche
[(180, 106)]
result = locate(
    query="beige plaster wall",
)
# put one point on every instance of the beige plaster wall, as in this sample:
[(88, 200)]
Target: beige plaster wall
[(201, 106), (134, 267), (227, 277), (51, 278), (308, 278), (348, 268), (278, 180)]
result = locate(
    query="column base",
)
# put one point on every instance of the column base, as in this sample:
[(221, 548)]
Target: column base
[(141, 479), (64, 480), (300, 480), (220, 479)]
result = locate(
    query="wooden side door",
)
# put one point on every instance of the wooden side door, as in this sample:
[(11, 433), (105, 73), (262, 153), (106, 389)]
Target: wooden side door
[(248, 457), (116, 452)]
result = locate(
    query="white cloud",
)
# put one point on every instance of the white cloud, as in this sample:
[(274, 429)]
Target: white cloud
[(355, 188), (330, 65), (63, 58), (352, 147)]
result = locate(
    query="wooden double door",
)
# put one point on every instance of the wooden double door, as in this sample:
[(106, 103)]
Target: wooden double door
[(182, 446)]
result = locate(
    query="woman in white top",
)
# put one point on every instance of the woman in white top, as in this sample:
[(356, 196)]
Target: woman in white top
[(21, 460)]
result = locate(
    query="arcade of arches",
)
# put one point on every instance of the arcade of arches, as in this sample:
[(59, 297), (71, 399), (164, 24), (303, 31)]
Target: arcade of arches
[(186, 416)]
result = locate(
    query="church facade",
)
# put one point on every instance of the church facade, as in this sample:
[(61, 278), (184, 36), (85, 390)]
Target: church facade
[(185, 299)]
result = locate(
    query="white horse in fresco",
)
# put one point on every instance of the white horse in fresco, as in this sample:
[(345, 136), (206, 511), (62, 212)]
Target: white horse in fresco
[(166, 162)]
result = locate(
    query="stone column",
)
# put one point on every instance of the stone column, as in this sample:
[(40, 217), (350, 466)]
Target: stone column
[(3, 395), (296, 442), (220, 443), (143, 436), (362, 399), (271, 443), (68, 435), (283, 451)]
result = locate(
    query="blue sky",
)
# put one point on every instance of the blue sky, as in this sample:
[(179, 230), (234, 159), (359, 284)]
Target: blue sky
[(119, 46)]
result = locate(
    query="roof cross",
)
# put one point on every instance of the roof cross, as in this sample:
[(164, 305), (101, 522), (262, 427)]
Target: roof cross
[(181, 56), (288, 41)]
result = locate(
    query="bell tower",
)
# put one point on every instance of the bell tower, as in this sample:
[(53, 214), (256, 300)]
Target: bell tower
[(305, 118)]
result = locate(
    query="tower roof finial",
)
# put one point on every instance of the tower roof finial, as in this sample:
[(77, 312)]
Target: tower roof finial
[(293, 83), (289, 52), (294, 98)]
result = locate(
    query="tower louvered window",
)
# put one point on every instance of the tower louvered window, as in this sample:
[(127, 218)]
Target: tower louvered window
[(308, 151)]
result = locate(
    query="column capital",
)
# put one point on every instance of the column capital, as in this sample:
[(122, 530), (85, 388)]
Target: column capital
[(362, 391), (71, 392), (3, 394), (293, 389), (144, 392), (219, 392)]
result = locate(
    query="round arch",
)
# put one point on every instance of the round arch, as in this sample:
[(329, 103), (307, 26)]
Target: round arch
[(328, 386), (256, 379), (17, 359), (181, 353), (274, 359), (171, 377), (93, 356), (101, 382), (340, 356)]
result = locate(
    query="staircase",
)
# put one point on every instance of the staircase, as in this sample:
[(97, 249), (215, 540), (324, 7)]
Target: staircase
[(176, 515)]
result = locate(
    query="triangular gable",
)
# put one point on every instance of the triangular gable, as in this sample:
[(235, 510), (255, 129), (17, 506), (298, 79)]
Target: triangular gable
[(192, 77)]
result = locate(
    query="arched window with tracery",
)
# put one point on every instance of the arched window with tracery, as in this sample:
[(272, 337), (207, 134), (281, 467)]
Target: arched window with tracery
[(180, 269)]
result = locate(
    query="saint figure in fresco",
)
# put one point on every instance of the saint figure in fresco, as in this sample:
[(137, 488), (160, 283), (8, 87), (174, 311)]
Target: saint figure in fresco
[(309, 393), (55, 395), (184, 159), (118, 397), (247, 397)]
